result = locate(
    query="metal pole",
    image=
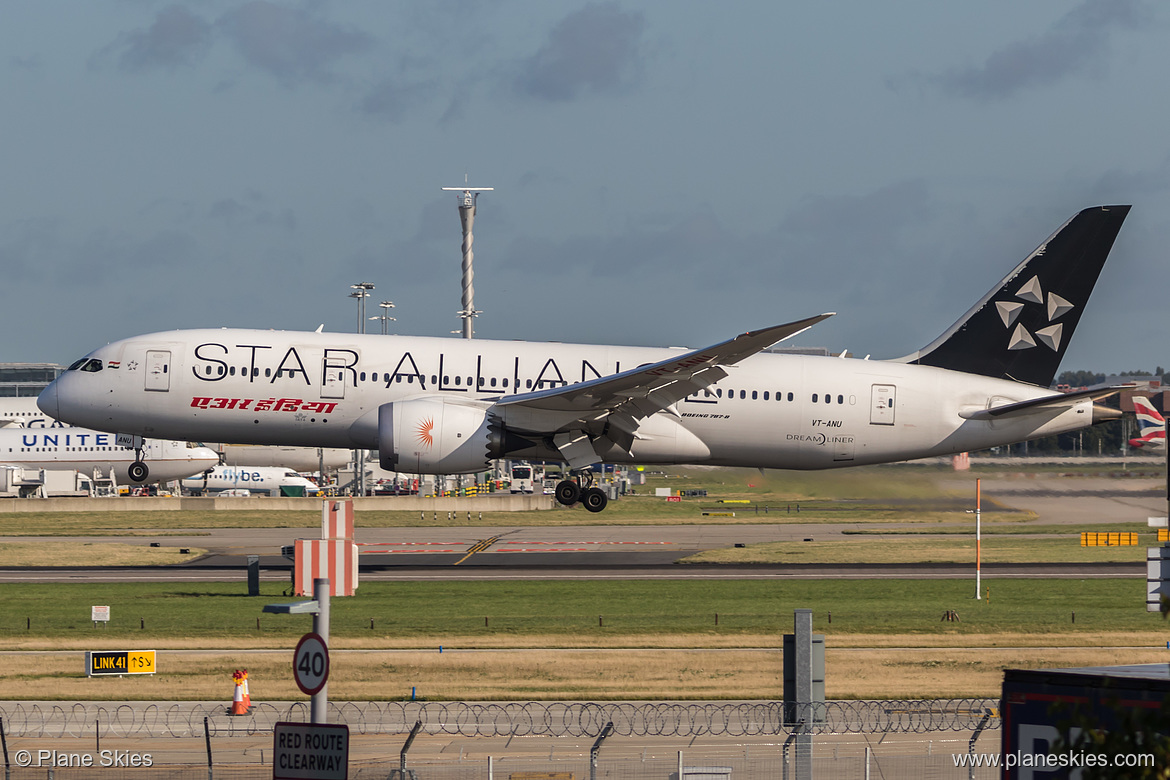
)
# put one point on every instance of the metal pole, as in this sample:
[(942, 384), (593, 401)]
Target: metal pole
[(406, 747), (803, 624), (207, 740), (4, 744), (319, 703), (605, 732), (971, 744), (978, 536)]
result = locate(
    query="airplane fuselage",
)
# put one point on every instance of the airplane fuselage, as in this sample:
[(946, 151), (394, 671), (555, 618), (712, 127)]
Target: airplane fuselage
[(325, 390), (87, 451)]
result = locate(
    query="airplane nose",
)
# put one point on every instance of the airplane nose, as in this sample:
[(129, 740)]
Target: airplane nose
[(47, 401)]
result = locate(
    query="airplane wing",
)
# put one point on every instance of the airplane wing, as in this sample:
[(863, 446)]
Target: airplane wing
[(613, 406), (1058, 401)]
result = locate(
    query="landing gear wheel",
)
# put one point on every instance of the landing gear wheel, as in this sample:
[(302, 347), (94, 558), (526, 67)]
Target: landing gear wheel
[(138, 471), (568, 492), (594, 499)]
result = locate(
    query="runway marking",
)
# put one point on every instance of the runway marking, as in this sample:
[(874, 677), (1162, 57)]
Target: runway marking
[(479, 546)]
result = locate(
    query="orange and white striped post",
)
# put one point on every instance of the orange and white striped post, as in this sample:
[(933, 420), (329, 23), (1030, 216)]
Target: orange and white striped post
[(978, 536)]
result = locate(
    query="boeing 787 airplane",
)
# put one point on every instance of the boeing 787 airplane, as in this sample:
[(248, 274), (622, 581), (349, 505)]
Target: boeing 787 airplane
[(449, 406)]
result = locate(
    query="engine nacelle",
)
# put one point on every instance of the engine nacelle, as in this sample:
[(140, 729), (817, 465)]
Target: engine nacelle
[(434, 436)]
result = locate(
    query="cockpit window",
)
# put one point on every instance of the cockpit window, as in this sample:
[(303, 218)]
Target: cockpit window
[(92, 365), (76, 365)]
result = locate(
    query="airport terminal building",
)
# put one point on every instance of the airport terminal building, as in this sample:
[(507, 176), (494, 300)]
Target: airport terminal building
[(26, 380)]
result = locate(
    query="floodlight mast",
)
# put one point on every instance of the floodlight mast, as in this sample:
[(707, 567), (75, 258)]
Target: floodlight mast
[(467, 217)]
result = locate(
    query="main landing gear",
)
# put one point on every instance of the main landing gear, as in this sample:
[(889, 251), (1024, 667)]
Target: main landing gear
[(569, 492)]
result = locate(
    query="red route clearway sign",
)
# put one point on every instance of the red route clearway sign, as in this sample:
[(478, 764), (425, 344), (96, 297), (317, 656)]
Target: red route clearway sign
[(310, 751)]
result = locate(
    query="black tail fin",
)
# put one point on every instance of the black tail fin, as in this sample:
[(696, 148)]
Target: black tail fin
[(1021, 329)]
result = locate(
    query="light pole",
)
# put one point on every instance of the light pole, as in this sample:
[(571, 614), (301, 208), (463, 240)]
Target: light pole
[(361, 291), (467, 200), (385, 316)]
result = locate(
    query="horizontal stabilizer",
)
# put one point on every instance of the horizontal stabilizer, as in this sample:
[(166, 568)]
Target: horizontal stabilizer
[(1036, 405)]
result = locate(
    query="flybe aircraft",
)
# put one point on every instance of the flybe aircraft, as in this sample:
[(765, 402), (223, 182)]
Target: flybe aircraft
[(447, 406), (271, 480), (78, 449)]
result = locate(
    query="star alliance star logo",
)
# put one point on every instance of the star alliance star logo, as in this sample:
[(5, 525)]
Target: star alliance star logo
[(1021, 338)]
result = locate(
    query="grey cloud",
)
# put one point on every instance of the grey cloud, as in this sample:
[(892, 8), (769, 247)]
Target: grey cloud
[(1075, 43), (176, 38), (29, 248), (392, 99), (233, 212), (597, 49), (32, 63), (289, 43)]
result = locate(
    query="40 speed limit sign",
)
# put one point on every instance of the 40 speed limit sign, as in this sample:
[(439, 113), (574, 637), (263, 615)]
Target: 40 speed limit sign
[(311, 664)]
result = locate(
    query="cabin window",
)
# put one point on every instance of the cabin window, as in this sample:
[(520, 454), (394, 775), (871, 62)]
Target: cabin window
[(458, 380), (505, 381), (840, 399), (469, 382), (362, 376), (755, 395), (232, 371), (742, 394), (481, 381), (493, 381), (267, 372), (410, 379), (528, 384), (765, 395), (814, 400)]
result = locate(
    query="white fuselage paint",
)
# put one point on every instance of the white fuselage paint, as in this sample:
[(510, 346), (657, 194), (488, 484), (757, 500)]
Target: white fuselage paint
[(309, 390), (257, 479), (79, 449)]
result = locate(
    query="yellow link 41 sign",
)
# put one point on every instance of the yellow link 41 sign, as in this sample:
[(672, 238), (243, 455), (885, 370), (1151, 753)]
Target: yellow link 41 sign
[(119, 662)]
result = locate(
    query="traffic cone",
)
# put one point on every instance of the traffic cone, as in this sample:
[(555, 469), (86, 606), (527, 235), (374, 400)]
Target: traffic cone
[(238, 707), (247, 696)]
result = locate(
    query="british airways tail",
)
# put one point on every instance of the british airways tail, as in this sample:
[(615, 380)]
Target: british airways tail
[(1151, 424), (1022, 327)]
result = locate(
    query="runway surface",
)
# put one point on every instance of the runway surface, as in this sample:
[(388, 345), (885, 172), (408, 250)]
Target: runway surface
[(548, 571), (644, 551)]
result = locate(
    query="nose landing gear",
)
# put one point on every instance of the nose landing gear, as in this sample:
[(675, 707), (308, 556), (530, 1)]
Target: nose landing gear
[(137, 471)]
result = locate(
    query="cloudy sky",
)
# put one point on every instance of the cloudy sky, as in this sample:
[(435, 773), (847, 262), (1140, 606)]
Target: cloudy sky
[(664, 173)]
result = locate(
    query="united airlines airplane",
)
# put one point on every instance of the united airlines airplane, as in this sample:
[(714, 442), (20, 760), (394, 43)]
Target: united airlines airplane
[(78, 449), (447, 406)]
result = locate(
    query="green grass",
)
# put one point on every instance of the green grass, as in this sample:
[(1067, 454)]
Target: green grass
[(207, 613)]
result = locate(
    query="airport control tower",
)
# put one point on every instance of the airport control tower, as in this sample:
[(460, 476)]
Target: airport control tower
[(467, 217)]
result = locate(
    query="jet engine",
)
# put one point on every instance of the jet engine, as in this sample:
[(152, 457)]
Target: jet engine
[(434, 436)]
